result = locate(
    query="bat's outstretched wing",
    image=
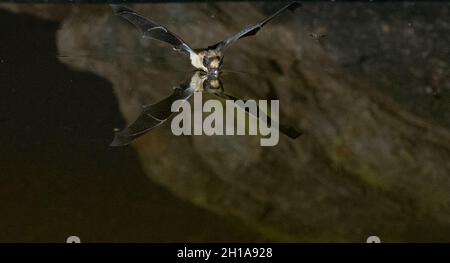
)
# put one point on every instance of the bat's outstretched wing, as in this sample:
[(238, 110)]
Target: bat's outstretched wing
[(250, 31), (286, 130), (151, 29), (152, 116)]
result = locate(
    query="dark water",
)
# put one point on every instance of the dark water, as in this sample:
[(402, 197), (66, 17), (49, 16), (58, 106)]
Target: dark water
[(58, 177)]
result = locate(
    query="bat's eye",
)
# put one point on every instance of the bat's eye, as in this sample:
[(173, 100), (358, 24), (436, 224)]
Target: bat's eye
[(206, 61), (206, 85)]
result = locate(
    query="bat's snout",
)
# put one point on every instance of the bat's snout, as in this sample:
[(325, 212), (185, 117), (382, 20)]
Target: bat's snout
[(214, 73)]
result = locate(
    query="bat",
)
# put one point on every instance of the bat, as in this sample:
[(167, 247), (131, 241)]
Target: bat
[(208, 59), (156, 114)]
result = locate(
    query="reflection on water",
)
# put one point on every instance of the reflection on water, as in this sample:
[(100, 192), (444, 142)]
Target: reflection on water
[(156, 114)]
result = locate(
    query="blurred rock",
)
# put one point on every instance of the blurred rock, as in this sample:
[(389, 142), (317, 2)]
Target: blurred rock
[(402, 49)]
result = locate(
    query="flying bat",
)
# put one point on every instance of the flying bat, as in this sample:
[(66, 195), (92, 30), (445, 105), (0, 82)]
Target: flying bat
[(208, 59), (156, 114)]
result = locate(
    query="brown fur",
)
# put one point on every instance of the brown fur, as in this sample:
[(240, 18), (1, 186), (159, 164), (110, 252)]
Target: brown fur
[(214, 83)]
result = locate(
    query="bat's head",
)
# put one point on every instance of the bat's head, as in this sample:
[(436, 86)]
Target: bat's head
[(212, 61), (203, 81)]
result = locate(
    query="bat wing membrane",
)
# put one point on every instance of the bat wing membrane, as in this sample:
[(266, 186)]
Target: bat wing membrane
[(151, 29), (287, 130), (151, 116), (250, 31)]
